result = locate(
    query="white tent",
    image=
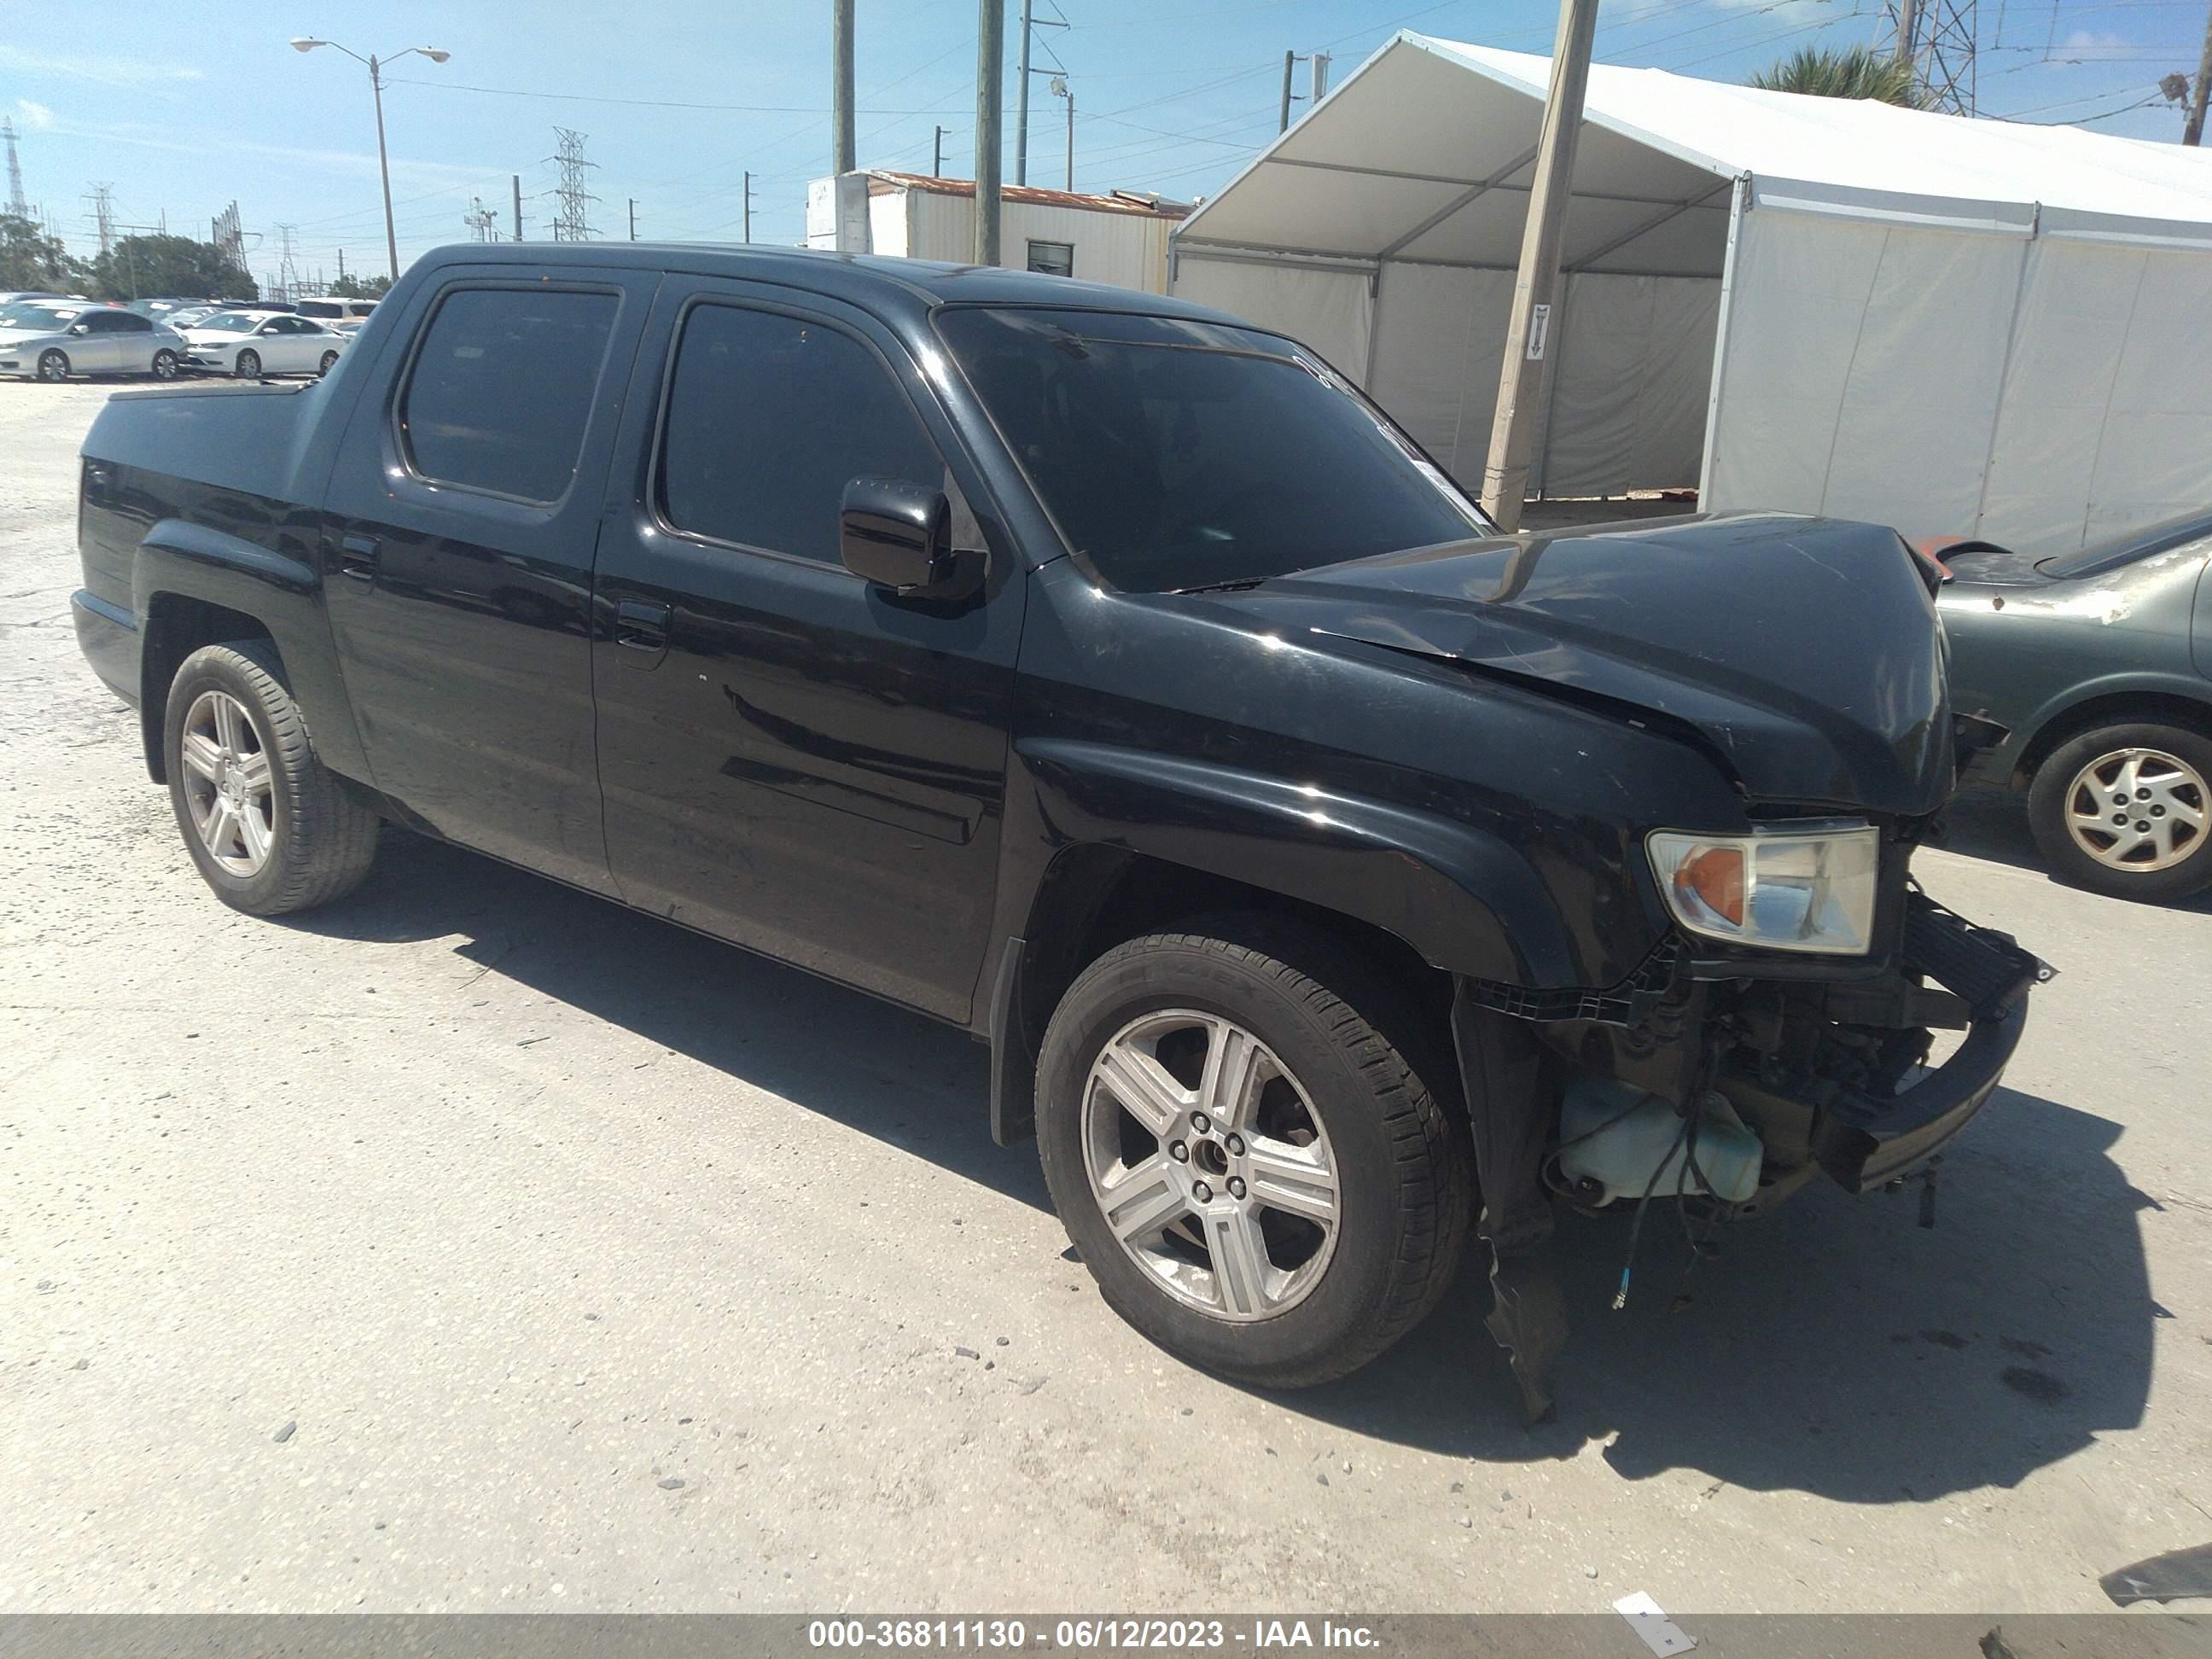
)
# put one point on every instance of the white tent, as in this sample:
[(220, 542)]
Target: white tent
[(1956, 326)]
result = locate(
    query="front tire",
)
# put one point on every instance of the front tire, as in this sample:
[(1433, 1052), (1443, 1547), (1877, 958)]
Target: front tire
[(165, 364), (53, 365), (248, 366), (272, 831), (1240, 1145), (2126, 811), (329, 361)]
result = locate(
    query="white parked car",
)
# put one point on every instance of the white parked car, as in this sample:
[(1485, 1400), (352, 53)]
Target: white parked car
[(253, 343), (343, 315), (53, 339)]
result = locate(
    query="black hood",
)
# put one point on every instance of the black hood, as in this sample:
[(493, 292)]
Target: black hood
[(1804, 653)]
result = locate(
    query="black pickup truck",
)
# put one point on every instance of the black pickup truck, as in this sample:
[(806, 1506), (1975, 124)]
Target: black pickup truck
[(1108, 677)]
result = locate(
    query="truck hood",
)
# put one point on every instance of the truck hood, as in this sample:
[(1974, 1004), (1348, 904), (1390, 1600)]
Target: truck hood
[(1802, 653)]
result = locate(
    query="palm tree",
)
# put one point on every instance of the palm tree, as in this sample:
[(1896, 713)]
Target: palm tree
[(1855, 72)]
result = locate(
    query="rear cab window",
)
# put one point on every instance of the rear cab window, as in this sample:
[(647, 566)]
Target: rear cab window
[(499, 395)]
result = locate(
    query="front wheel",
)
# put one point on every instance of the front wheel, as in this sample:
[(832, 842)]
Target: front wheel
[(2126, 810), (53, 365), (329, 361), (248, 367), (165, 364), (271, 829), (1242, 1152)]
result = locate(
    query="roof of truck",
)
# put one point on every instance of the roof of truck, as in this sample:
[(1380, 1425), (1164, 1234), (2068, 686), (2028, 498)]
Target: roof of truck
[(874, 281)]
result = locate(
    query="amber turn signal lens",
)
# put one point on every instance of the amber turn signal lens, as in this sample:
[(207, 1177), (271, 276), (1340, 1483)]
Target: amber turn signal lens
[(1715, 876)]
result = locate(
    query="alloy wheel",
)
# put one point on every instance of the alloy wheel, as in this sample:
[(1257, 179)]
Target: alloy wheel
[(1210, 1164), (228, 785), (2138, 810), (165, 365), (54, 367)]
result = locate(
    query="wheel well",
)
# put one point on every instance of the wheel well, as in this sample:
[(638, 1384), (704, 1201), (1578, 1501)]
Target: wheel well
[(2117, 708), (1094, 898), (176, 626)]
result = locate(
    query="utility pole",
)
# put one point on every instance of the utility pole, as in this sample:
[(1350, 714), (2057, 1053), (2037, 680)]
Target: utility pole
[(2192, 131), (1060, 89), (633, 218), (1022, 97), (517, 178), (937, 156), (342, 264), (990, 105), (1291, 60), (844, 158), (1527, 328), (748, 207), (1030, 24), (1908, 25)]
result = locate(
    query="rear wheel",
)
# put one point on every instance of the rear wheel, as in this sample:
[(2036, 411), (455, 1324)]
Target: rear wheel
[(1253, 1171), (248, 367), (53, 365), (2127, 811), (271, 829)]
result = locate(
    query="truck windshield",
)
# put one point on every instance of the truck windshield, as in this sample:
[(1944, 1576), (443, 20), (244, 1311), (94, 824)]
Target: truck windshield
[(1176, 453)]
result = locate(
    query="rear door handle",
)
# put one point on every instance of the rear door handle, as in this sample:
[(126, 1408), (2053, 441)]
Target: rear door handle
[(357, 556), (640, 625)]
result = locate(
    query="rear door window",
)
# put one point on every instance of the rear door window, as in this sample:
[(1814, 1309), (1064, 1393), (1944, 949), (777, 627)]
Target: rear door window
[(499, 392), (769, 416)]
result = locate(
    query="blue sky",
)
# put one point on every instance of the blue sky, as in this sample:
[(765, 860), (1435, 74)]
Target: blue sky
[(184, 108)]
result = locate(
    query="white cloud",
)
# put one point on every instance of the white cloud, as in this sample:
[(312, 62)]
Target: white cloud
[(108, 72), (2093, 43), (32, 118)]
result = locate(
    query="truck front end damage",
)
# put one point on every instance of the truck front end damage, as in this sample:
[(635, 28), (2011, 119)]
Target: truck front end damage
[(1723, 1076)]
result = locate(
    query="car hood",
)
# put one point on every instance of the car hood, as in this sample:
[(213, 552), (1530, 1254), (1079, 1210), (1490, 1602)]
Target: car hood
[(18, 337), (1802, 653)]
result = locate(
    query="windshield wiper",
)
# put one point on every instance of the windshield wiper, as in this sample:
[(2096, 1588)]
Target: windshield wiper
[(1236, 586)]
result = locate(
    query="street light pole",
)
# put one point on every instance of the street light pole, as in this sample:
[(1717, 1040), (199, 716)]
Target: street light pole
[(375, 66)]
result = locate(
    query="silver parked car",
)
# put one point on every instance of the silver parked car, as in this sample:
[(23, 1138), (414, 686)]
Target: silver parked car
[(53, 339), (252, 344)]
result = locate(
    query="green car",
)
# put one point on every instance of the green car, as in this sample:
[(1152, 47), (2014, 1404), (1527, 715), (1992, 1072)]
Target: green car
[(2090, 674)]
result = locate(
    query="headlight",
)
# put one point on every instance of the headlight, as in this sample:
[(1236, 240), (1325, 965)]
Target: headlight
[(1806, 887)]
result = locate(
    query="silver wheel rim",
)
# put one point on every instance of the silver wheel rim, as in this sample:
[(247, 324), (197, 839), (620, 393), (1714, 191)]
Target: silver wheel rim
[(2138, 810), (228, 787), (1210, 1164), (246, 373), (165, 365), (54, 367), (329, 361)]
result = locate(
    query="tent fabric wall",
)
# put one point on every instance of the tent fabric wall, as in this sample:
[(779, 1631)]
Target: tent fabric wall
[(1626, 406), (1862, 368), (1436, 343), (1331, 309), (2106, 418)]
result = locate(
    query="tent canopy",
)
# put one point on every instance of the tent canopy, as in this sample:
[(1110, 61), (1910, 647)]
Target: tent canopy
[(1818, 305), (1426, 153)]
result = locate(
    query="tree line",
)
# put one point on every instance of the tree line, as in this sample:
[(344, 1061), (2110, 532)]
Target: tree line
[(137, 267)]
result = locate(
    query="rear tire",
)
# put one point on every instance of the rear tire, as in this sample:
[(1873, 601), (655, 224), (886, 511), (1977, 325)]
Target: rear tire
[(2156, 847), (1217, 1272), (272, 831), (248, 366)]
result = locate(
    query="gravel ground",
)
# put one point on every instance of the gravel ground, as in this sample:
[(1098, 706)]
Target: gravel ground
[(476, 1245)]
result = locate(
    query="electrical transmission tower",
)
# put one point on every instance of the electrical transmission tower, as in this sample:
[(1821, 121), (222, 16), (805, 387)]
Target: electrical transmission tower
[(288, 277), (229, 238), (573, 222), (483, 221), (103, 215), (16, 204), (1937, 38)]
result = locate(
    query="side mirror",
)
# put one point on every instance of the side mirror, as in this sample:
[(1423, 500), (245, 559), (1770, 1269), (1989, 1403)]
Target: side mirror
[(80, 328), (266, 328), (899, 535)]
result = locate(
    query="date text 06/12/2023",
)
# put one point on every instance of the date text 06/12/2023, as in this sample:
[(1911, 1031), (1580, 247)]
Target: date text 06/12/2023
[(1258, 1635)]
